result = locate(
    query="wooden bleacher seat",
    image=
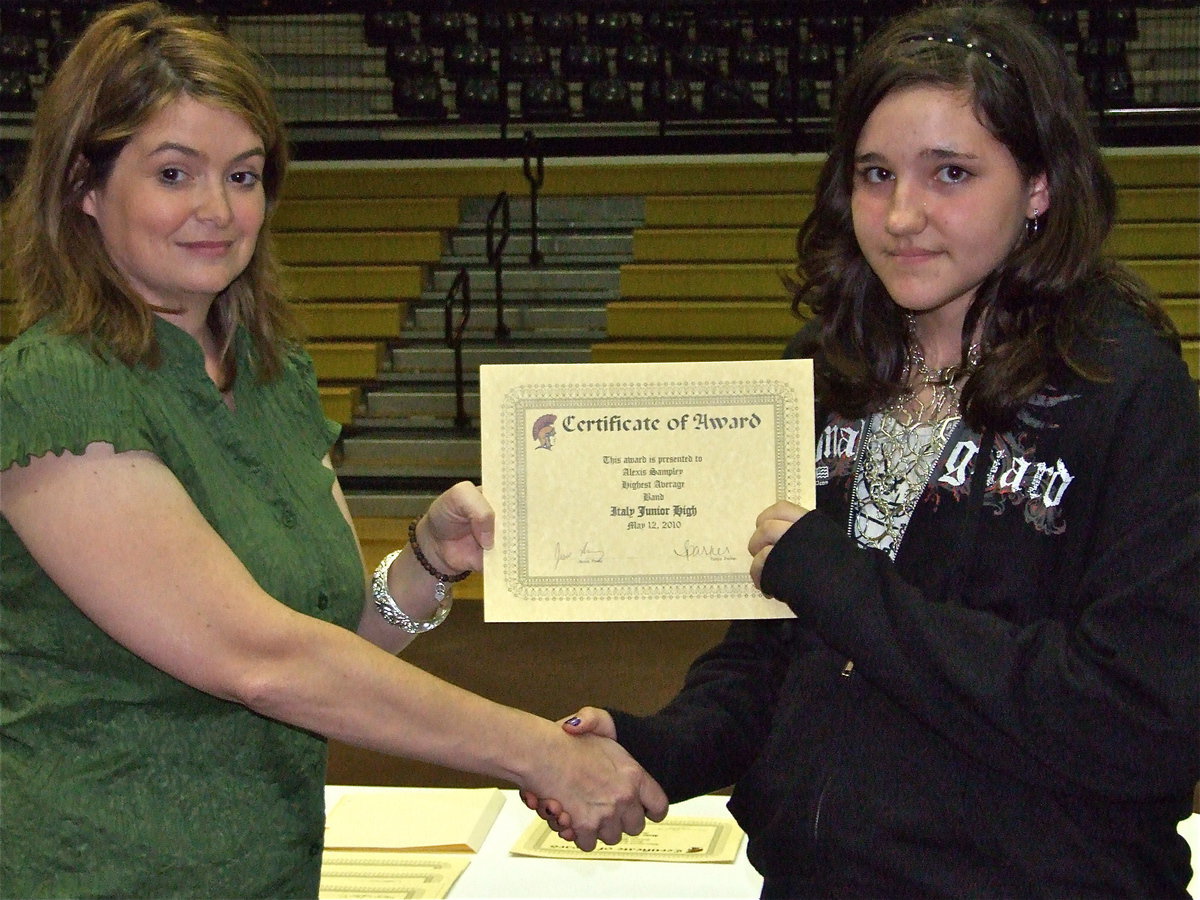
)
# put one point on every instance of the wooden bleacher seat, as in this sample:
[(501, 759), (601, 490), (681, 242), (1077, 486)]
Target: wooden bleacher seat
[(353, 282), (727, 210), (8, 308), (735, 319), (347, 360), (340, 402), (695, 175), (359, 248), (350, 319), (706, 350), (359, 210)]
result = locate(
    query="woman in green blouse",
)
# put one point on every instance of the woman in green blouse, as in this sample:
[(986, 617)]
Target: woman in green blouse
[(184, 618)]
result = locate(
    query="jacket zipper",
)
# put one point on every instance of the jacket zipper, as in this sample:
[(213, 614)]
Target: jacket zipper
[(816, 825), (846, 671), (854, 470)]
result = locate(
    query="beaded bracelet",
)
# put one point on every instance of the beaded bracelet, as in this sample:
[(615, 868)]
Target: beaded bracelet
[(416, 549)]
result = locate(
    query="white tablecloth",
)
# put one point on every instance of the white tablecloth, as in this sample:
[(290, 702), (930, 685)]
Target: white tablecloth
[(493, 873)]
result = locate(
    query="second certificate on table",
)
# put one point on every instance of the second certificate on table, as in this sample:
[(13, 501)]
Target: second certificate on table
[(629, 491)]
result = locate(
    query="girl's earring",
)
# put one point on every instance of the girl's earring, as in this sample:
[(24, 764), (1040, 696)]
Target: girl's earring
[(1033, 225)]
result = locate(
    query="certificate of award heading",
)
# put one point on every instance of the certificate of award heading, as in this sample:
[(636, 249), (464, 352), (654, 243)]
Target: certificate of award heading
[(628, 491)]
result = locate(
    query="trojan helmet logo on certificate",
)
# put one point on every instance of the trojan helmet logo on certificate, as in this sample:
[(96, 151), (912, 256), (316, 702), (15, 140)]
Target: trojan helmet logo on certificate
[(629, 491)]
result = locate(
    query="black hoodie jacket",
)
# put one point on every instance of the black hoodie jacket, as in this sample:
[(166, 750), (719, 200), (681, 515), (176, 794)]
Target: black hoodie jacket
[(1012, 707)]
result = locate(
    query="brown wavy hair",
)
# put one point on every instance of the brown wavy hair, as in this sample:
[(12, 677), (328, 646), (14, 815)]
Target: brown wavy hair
[(1039, 300), (128, 65)]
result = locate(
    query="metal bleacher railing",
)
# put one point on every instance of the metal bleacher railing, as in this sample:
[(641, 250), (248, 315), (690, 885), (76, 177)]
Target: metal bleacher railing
[(445, 79)]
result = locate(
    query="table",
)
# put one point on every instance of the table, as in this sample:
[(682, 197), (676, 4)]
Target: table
[(1190, 829), (493, 873)]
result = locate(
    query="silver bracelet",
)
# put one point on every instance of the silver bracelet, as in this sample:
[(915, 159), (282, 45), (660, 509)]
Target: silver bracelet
[(391, 611)]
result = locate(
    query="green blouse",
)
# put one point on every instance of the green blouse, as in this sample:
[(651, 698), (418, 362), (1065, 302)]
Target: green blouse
[(117, 778)]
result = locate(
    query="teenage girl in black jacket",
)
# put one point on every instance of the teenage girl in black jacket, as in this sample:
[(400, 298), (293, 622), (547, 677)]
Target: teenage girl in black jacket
[(991, 686)]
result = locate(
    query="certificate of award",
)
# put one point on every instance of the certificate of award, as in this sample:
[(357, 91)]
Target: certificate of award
[(628, 491), (405, 876), (675, 839)]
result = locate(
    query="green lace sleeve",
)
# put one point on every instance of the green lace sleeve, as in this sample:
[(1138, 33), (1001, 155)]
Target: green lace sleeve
[(57, 396)]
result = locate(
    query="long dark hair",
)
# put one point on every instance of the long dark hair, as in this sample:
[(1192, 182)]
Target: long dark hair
[(1043, 294)]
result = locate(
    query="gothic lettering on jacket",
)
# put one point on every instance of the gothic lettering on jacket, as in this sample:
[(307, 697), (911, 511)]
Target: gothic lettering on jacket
[(1015, 478), (837, 446), (1018, 477)]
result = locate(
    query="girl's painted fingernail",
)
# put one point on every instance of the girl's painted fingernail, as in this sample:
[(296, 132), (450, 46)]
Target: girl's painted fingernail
[(574, 720)]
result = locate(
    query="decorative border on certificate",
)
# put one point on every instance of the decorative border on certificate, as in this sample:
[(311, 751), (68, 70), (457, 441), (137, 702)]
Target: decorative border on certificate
[(629, 491), (675, 839), (405, 876)]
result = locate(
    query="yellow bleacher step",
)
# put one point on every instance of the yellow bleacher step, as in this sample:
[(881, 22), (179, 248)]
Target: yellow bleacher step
[(789, 210), (339, 401), (1191, 355), (698, 176), (714, 244), (8, 321), (346, 319), (686, 351), (1165, 204), (1185, 313), (689, 319), (359, 212), (369, 248), (1148, 240), (347, 360), (8, 288), (1169, 277), (403, 182), (1154, 167), (703, 280), (354, 282)]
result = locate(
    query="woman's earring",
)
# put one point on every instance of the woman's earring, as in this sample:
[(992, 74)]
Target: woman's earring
[(1033, 225)]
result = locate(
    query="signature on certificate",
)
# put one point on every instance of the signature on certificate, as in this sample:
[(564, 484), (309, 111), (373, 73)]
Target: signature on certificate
[(586, 554), (705, 551)]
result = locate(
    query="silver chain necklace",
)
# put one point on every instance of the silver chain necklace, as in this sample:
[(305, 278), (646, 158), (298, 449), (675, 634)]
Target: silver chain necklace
[(929, 395), (905, 440)]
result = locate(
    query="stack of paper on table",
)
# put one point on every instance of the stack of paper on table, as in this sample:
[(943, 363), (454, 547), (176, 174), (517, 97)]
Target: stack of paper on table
[(392, 844), (455, 820)]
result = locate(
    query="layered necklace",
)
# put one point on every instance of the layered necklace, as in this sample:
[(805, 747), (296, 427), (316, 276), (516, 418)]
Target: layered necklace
[(903, 442)]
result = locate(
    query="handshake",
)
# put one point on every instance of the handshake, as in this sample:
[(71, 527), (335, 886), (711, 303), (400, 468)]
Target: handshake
[(593, 789)]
